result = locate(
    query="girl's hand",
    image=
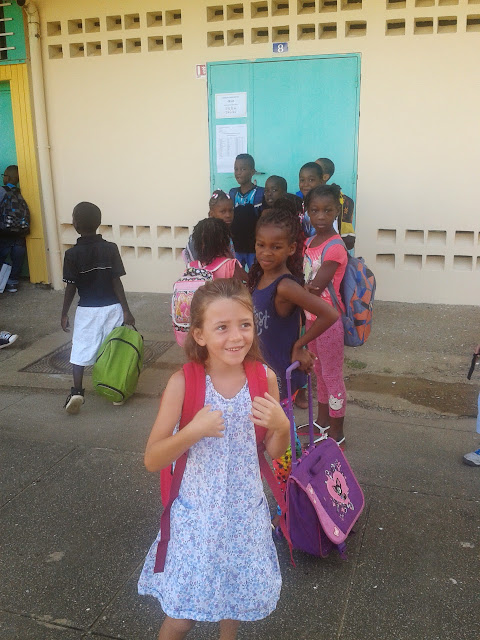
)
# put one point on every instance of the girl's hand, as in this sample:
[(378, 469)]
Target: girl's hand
[(268, 413), (477, 349), (305, 357), (313, 290), (208, 423)]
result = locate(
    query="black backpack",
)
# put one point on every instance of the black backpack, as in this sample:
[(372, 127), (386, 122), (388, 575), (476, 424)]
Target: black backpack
[(14, 212)]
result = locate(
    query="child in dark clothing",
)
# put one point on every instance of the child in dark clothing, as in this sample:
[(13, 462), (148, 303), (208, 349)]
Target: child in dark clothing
[(93, 267), (309, 177), (347, 230), (247, 199), (275, 188), (276, 191), (12, 242), (220, 206)]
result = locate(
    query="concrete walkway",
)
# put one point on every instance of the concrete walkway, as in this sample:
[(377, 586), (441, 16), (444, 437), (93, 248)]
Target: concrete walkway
[(78, 511)]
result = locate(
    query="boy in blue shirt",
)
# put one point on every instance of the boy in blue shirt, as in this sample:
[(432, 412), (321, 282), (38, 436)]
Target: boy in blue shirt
[(247, 200), (93, 267)]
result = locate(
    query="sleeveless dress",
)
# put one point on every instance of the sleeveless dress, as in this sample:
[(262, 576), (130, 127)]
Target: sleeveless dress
[(221, 560), (277, 335)]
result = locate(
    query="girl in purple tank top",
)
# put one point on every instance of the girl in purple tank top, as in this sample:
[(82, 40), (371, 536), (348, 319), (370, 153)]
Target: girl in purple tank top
[(276, 284)]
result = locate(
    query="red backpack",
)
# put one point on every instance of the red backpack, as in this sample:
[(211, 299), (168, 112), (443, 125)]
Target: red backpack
[(194, 400)]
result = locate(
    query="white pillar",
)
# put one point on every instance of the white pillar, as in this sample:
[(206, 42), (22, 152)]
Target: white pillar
[(54, 260)]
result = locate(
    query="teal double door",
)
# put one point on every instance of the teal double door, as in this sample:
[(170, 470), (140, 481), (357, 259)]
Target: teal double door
[(293, 110)]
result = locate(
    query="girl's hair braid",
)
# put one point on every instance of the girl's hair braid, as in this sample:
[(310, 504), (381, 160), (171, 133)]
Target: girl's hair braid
[(211, 239), (283, 214)]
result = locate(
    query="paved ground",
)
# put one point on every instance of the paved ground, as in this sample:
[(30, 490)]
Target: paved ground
[(78, 511)]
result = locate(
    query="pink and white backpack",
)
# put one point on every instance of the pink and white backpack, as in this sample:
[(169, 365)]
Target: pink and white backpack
[(195, 276)]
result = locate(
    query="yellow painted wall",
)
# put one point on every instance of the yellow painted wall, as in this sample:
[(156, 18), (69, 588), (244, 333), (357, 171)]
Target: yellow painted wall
[(129, 130), (17, 76)]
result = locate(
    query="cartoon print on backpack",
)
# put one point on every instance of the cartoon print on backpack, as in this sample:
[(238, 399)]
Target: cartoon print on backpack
[(338, 490), (182, 308)]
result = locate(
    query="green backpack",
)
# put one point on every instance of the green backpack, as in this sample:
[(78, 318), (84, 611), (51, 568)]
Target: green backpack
[(118, 364)]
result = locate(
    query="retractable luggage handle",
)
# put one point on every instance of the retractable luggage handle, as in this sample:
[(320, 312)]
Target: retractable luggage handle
[(291, 368)]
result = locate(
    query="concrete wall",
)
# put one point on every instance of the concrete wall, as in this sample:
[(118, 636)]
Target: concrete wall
[(129, 128)]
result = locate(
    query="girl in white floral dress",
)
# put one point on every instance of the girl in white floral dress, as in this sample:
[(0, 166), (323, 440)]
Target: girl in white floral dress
[(221, 563)]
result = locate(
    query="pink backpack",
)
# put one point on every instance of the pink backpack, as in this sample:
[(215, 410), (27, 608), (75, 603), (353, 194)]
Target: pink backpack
[(195, 276)]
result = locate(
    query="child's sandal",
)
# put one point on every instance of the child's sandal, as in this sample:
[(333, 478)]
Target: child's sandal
[(315, 424)]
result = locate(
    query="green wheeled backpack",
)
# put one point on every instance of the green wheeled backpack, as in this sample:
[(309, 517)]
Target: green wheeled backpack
[(118, 364)]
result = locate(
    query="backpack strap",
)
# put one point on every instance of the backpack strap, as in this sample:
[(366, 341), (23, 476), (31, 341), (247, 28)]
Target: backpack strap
[(217, 263), (258, 197), (330, 287), (308, 241), (192, 403), (188, 255), (258, 385)]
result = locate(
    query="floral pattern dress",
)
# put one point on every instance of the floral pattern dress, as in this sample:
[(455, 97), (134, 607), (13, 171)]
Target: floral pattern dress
[(221, 561)]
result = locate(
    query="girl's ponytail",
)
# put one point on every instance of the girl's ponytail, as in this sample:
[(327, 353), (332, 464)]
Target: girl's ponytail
[(217, 196), (211, 239)]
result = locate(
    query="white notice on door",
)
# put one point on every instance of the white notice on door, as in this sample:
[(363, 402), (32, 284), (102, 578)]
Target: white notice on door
[(231, 105), (231, 140)]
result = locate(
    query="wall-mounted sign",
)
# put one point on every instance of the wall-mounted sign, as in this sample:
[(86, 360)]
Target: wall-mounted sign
[(201, 71), (231, 140), (280, 47), (231, 105)]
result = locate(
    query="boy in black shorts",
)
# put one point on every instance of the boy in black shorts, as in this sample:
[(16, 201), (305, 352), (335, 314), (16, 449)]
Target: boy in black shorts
[(93, 267)]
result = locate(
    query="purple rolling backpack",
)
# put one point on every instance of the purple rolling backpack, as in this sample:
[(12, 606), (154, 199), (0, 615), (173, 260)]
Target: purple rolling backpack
[(324, 499)]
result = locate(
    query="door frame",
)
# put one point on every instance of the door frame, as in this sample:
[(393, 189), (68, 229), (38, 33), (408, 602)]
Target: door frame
[(17, 76)]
